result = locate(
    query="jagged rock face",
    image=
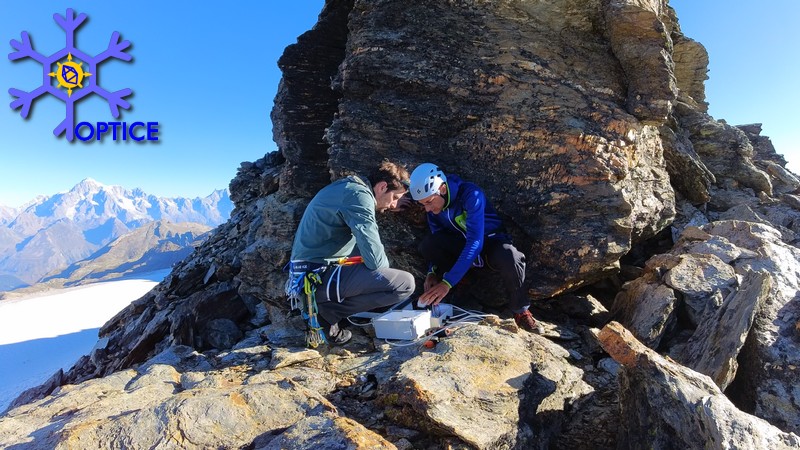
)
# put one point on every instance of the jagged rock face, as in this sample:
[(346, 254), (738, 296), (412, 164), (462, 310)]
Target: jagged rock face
[(305, 103), (762, 145), (734, 286), (691, 65), (639, 34), (725, 150), (528, 100), (692, 413)]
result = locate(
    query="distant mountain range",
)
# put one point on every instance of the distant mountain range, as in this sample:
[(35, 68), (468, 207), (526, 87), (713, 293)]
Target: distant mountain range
[(154, 246), (48, 234)]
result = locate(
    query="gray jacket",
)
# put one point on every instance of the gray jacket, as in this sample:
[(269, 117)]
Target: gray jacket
[(340, 218)]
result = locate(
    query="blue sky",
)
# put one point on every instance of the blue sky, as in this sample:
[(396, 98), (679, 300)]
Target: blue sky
[(754, 64), (209, 75)]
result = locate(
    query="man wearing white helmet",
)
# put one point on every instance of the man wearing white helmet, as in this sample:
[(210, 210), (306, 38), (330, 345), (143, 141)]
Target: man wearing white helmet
[(466, 232)]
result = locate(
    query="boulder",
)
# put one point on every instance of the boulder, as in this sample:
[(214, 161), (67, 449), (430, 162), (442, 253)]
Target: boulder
[(327, 432), (767, 379), (701, 279), (646, 306), (152, 408), (489, 387), (666, 405), (742, 334), (714, 347)]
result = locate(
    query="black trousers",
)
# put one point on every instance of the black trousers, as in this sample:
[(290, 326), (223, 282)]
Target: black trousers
[(443, 250)]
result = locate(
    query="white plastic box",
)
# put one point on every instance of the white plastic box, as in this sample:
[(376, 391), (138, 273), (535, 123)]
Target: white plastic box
[(402, 324), (439, 313)]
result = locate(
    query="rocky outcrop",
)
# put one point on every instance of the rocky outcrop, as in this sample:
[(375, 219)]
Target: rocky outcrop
[(714, 347), (487, 387), (641, 42), (585, 123), (305, 103), (156, 406), (198, 291), (528, 100), (490, 389), (764, 150), (667, 405), (734, 287), (724, 149), (690, 60)]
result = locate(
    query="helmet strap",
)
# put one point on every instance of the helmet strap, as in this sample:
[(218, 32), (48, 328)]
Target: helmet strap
[(447, 198)]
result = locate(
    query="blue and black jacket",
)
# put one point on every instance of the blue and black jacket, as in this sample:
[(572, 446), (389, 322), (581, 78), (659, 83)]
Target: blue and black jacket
[(468, 213)]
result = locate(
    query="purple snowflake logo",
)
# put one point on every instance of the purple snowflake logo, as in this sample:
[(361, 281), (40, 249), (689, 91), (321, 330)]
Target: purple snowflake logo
[(69, 74)]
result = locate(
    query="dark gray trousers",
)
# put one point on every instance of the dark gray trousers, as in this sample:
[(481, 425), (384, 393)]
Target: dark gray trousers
[(361, 289), (443, 250)]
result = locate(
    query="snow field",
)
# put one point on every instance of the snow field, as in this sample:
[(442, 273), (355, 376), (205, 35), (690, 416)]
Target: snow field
[(44, 332)]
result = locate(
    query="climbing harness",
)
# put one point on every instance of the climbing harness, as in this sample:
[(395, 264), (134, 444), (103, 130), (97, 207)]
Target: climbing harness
[(301, 289), (334, 281), (315, 334)]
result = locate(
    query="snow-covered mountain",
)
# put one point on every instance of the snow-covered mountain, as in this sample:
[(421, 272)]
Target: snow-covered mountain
[(93, 203), (7, 214), (52, 232)]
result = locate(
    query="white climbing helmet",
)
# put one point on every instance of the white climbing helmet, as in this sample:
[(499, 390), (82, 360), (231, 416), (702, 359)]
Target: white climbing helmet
[(425, 181)]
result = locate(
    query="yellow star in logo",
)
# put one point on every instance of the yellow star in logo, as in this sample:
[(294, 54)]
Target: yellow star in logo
[(70, 74)]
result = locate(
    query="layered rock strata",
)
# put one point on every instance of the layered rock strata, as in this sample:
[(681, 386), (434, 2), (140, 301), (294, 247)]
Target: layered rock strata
[(585, 122)]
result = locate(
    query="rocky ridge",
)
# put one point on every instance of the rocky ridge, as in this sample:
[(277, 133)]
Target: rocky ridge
[(585, 121)]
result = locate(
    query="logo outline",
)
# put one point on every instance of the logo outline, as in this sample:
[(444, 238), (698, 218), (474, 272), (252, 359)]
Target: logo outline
[(69, 23)]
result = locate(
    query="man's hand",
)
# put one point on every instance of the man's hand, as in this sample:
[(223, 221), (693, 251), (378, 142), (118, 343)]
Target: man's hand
[(435, 294), (430, 281), (404, 202)]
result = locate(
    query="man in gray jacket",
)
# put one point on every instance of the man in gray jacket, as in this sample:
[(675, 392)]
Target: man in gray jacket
[(338, 223)]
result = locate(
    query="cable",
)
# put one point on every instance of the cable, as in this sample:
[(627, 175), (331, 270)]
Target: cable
[(414, 342), (360, 325), (465, 317)]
